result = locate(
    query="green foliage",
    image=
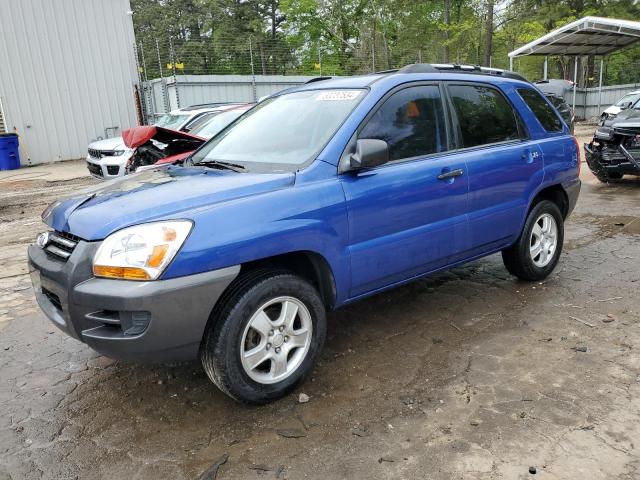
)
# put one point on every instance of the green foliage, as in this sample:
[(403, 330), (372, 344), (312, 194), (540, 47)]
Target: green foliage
[(343, 37)]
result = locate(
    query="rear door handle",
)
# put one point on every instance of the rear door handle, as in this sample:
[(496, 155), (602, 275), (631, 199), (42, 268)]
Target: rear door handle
[(530, 155), (458, 172)]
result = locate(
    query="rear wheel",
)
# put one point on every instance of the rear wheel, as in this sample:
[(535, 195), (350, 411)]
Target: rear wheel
[(265, 337), (536, 253)]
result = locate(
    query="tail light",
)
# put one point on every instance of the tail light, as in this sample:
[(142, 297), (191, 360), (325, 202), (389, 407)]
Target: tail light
[(575, 140)]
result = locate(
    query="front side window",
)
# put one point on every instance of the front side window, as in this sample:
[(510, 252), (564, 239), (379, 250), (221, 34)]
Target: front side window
[(411, 121), (282, 133), (484, 115), (171, 121), (541, 109), (630, 98), (198, 122)]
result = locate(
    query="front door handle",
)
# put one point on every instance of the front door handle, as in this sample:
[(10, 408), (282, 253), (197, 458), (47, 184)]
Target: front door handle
[(458, 172)]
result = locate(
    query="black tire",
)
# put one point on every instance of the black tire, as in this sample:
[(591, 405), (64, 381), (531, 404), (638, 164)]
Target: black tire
[(222, 343), (517, 258)]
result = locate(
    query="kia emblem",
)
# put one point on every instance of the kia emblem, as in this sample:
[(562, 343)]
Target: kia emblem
[(42, 240)]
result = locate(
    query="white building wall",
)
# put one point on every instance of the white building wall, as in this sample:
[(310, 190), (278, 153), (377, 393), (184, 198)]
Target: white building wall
[(67, 74)]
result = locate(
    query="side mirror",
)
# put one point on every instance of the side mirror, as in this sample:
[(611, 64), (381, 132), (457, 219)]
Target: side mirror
[(625, 105), (370, 152)]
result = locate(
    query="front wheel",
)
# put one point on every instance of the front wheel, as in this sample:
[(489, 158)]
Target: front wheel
[(536, 253), (265, 337)]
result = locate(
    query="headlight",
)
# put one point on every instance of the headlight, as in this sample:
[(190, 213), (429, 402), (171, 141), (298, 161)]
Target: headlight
[(117, 153), (141, 252)]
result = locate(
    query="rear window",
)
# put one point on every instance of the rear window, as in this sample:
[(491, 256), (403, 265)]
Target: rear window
[(484, 115), (541, 109)]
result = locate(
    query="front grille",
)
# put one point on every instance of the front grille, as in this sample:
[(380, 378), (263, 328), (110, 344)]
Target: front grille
[(101, 153), (94, 169), (53, 298), (61, 244), (612, 156), (113, 169), (95, 153)]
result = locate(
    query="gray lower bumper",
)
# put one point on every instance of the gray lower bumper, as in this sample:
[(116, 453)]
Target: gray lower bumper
[(162, 320), (573, 192)]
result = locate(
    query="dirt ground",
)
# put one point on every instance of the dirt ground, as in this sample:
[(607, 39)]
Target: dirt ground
[(467, 374)]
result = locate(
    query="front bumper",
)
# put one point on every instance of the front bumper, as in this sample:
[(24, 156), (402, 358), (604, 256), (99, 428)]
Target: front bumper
[(599, 167), (107, 167), (161, 320)]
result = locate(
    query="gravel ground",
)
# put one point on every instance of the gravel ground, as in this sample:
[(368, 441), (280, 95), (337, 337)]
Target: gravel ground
[(467, 374)]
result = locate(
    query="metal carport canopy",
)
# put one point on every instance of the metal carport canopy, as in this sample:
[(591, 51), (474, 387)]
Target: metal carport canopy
[(586, 36)]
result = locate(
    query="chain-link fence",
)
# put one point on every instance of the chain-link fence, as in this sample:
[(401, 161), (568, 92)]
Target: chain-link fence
[(168, 67), (267, 57)]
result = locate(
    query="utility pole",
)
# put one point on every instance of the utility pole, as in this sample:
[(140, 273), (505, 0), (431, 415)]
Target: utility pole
[(488, 45), (447, 22), (163, 84), (253, 73), (173, 65), (148, 98)]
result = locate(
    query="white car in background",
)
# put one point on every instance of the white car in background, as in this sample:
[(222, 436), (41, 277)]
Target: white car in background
[(630, 100), (108, 158)]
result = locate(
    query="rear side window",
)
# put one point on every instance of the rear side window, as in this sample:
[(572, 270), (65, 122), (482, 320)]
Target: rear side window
[(541, 109), (411, 121), (484, 115)]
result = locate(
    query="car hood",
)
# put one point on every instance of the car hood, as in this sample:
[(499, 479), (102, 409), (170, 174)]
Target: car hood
[(625, 119), (165, 192), (136, 136), (613, 110), (115, 143)]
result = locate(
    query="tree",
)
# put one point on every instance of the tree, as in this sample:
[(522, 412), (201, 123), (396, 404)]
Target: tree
[(344, 37)]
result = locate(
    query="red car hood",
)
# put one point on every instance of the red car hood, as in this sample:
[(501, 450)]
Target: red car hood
[(136, 136), (173, 158)]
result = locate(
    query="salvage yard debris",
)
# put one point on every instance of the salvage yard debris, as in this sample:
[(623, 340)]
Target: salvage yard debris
[(291, 433), (211, 473), (303, 398), (590, 325)]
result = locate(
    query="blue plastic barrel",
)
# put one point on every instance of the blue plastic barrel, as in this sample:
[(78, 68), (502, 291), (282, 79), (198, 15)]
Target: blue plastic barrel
[(9, 153)]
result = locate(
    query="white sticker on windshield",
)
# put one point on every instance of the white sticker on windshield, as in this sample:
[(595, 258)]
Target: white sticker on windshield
[(337, 95)]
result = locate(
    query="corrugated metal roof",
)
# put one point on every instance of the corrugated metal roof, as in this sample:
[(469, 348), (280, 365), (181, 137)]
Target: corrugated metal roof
[(68, 73), (587, 36)]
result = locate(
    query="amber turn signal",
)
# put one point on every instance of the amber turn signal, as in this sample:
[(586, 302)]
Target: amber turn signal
[(124, 273)]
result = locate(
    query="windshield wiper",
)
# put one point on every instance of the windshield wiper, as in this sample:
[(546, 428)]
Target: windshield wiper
[(220, 164)]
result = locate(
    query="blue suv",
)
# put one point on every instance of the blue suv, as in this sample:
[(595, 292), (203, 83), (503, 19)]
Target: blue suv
[(318, 196)]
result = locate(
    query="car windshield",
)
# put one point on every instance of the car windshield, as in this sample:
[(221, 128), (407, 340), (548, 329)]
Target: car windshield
[(282, 133), (169, 120), (632, 97), (217, 123)]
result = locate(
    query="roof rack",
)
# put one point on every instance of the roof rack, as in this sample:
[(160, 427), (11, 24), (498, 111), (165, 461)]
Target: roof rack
[(317, 79), (458, 68), (384, 72)]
